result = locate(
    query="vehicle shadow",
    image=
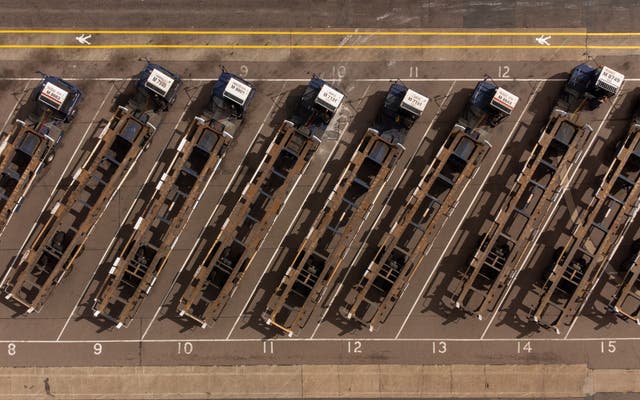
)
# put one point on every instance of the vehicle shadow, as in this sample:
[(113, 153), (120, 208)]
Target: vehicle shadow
[(528, 285), (126, 230), (229, 199), (310, 211), (396, 199), (447, 282)]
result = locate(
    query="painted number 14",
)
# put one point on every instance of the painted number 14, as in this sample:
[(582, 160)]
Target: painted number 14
[(524, 347)]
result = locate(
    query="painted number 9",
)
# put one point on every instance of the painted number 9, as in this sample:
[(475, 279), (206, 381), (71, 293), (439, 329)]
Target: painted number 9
[(97, 349)]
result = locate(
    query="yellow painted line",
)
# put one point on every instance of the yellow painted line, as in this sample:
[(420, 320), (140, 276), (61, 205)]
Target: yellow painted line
[(614, 47), (312, 33), (295, 47)]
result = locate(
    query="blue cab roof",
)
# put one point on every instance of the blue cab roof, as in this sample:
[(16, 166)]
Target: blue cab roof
[(70, 103), (483, 94), (144, 75), (583, 78), (221, 84)]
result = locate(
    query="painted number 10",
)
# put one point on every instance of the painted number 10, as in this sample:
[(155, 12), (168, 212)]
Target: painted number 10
[(185, 348)]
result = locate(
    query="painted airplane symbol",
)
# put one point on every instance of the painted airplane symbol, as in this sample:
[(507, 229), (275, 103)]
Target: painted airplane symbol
[(83, 39), (543, 40)]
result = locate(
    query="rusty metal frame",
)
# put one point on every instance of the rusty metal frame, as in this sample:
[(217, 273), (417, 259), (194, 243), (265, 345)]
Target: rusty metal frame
[(27, 173), (537, 187), (626, 302), (593, 239), (157, 226), (60, 235), (404, 246), (341, 217), (216, 278), (415, 226), (514, 230), (29, 282)]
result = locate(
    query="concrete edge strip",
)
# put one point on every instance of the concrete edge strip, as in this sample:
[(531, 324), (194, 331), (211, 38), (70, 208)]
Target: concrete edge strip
[(313, 381)]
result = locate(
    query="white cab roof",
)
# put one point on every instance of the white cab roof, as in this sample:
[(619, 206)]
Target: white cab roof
[(610, 79), (329, 97), (237, 91), (159, 82), (504, 100), (414, 102), (53, 95)]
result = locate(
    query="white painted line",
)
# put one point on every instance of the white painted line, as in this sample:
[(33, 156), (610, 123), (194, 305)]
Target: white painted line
[(324, 340), (213, 213), (478, 79), (382, 211), (296, 216), (15, 106), (471, 204), (549, 217), (306, 79), (62, 175), (106, 252)]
